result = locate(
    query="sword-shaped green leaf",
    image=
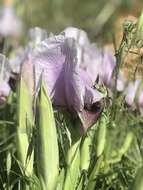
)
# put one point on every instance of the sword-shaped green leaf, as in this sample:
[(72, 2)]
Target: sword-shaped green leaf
[(46, 139), (24, 129), (73, 167)]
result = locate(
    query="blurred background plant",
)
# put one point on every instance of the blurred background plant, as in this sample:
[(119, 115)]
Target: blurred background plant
[(93, 16)]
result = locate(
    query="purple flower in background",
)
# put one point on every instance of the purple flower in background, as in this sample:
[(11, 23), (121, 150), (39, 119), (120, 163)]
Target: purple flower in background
[(134, 94), (4, 91), (100, 63), (140, 99), (120, 82), (10, 24), (130, 92), (16, 59), (4, 68), (92, 59), (106, 67), (4, 78), (139, 96), (68, 85)]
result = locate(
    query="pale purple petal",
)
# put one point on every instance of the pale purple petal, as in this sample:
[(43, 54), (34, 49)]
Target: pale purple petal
[(79, 35), (58, 62), (48, 58), (120, 82), (4, 91), (4, 78), (36, 35), (140, 100), (106, 67), (4, 68), (27, 73), (86, 77), (96, 61), (81, 40), (16, 59), (131, 92), (92, 59), (74, 86)]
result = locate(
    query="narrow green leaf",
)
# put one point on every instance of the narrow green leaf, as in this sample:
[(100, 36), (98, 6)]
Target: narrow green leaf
[(47, 145), (138, 183), (8, 163), (94, 173), (101, 135), (85, 148), (127, 142), (73, 167), (82, 181), (60, 181), (24, 129)]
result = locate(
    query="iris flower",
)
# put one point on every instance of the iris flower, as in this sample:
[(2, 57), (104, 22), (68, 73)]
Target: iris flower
[(10, 24), (68, 86)]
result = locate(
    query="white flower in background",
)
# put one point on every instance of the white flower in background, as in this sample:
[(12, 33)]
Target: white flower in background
[(36, 35), (16, 59), (120, 82), (10, 24)]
